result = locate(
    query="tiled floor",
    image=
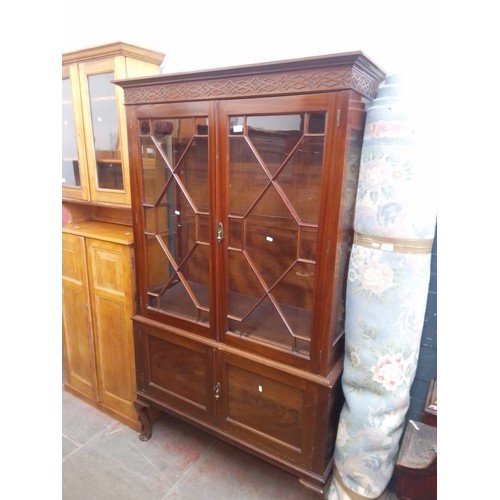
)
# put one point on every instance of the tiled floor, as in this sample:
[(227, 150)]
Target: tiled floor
[(105, 460)]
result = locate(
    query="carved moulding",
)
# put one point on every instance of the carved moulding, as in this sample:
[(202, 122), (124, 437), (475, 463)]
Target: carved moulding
[(284, 83)]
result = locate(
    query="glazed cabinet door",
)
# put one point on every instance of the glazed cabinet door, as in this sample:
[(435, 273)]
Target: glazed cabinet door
[(176, 371), (279, 156), (175, 230), (95, 166), (74, 160), (77, 324), (112, 291), (104, 134)]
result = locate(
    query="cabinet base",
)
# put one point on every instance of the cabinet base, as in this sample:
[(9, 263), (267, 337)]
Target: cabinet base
[(320, 489), (148, 411)]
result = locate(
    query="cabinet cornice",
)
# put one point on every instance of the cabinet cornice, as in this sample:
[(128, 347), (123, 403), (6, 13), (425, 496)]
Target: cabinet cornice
[(349, 71)]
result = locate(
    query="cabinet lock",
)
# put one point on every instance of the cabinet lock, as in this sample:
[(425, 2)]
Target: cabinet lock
[(220, 232), (217, 390)]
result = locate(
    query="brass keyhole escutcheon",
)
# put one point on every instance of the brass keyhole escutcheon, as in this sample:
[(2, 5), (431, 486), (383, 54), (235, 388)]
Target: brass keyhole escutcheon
[(217, 390)]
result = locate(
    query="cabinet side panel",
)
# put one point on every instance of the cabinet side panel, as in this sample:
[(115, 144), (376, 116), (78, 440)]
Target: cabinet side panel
[(328, 408), (134, 67), (352, 146)]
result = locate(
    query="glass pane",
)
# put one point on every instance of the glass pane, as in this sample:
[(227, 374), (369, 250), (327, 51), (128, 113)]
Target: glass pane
[(193, 172), (155, 172), (316, 123), (247, 178), (351, 169), (301, 177), (176, 211), (272, 248), (236, 233), (274, 137), (245, 289), (70, 166), (236, 125), (195, 270), (265, 323), (165, 132), (275, 166), (160, 271), (105, 131), (294, 293), (307, 247)]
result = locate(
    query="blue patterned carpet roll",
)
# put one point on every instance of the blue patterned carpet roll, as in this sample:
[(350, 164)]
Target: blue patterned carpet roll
[(387, 289)]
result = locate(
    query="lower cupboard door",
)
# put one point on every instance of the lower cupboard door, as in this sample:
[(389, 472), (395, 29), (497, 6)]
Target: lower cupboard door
[(267, 408), (176, 372)]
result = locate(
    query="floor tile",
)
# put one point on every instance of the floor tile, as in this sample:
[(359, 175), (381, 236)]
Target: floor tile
[(81, 421), (229, 473), (110, 466), (68, 446), (103, 459)]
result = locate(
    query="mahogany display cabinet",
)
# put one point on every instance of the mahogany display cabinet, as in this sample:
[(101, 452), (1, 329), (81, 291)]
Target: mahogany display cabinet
[(243, 185)]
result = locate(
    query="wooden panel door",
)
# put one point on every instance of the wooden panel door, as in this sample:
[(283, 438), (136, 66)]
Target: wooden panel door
[(176, 371), (267, 407), (77, 325), (111, 288)]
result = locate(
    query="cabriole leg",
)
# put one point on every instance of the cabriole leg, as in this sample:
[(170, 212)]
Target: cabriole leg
[(142, 410)]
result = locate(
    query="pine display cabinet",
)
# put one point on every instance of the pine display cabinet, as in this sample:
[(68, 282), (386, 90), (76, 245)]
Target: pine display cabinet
[(98, 280), (243, 185), (94, 136)]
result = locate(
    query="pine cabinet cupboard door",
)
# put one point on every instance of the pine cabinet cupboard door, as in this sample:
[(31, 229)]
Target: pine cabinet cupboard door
[(111, 297), (78, 339)]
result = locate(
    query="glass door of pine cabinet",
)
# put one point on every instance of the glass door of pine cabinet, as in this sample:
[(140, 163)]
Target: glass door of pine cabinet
[(274, 173), (74, 162), (176, 215), (102, 102)]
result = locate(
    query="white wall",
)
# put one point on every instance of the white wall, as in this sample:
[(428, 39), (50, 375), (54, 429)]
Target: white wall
[(197, 34)]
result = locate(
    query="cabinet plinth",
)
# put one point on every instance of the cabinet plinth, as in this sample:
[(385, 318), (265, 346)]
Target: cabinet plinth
[(243, 185)]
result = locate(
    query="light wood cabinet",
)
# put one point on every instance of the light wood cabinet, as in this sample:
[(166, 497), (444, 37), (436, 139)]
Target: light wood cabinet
[(94, 146), (243, 189), (98, 301), (97, 257)]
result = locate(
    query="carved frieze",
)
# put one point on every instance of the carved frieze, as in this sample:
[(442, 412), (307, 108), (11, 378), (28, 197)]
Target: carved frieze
[(260, 85)]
